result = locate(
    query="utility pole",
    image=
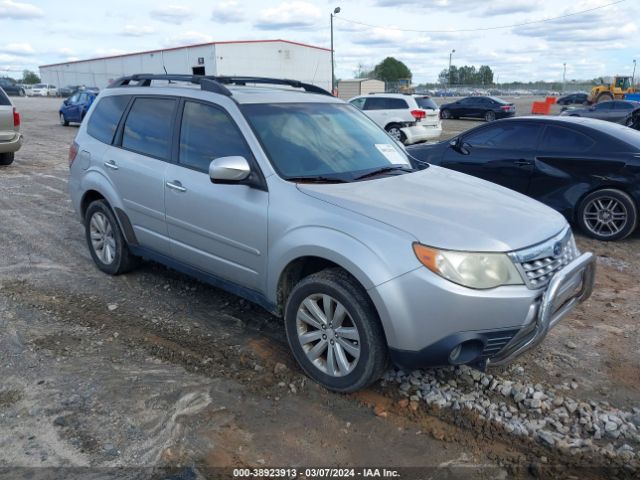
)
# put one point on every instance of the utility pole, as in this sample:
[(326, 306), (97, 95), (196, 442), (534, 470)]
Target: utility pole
[(333, 82), (450, 55), (633, 75), (564, 76)]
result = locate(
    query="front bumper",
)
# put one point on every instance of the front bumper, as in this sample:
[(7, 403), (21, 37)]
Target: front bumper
[(12, 145), (426, 317)]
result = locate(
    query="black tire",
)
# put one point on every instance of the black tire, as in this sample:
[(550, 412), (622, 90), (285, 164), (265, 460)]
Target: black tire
[(395, 131), (373, 358), (6, 158), (21, 93), (63, 121), (604, 97), (589, 206), (445, 114), (123, 260), (489, 116)]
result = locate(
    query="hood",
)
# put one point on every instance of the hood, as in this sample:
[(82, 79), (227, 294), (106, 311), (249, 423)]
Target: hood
[(446, 209)]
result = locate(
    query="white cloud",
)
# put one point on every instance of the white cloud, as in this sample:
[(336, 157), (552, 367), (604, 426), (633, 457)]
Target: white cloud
[(137, 30), (228, 12), (289, 15), (19, 11), (17, 48), (174, 14)]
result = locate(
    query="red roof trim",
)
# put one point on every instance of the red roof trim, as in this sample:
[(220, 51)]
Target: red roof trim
[(184, 46)]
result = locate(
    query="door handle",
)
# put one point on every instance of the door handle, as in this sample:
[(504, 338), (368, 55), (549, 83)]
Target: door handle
[(176, 185), (523, 163), (111, 164)]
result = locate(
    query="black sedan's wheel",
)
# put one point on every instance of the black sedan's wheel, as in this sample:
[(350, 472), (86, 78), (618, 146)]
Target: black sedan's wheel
[(489, 116), (608, 214), (106, 243), (445, 114), (334, 331)]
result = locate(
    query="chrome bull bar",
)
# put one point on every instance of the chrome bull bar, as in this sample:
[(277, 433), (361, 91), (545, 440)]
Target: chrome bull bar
[(568, 288)]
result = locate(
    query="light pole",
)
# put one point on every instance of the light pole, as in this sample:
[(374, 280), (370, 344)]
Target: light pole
[(333, 81), (564, 76), (633, 75), (450, 55)]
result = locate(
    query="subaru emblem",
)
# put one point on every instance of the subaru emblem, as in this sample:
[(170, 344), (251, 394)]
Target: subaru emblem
[(557, 249)]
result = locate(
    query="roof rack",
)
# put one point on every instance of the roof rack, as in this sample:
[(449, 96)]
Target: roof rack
[(212, 83)]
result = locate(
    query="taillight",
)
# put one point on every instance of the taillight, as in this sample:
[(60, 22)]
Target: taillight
[(506, 108), (73, 152), (16, 118), (418, 114)]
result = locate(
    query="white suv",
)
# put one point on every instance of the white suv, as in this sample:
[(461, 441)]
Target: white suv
[(408, 118)]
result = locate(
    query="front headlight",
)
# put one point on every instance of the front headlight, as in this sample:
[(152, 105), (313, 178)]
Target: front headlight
[(473, 270)]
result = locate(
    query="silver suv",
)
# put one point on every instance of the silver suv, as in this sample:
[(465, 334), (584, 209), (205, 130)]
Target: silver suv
[(295, 200)]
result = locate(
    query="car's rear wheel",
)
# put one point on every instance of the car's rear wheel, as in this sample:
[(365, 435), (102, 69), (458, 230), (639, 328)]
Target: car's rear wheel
[(445, 114), (63, 121), (489, 116), (107, 245), (6, 158), (21, 93), (334, 331), (395, 131), (608, 214)]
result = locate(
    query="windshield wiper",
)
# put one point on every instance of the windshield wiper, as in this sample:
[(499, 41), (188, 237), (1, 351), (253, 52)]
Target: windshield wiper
[(316, 179), (379, 171)]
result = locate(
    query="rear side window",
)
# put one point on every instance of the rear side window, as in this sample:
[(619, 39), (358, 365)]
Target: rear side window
[(4, 100), (563, 139), (507, 136), (358, 103), (147, 129), (104, 119), (426, 103), (208, 133), (381, 103)]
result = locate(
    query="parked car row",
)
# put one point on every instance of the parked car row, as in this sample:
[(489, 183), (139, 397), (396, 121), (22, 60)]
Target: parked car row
[(324, 220), (618, 111)]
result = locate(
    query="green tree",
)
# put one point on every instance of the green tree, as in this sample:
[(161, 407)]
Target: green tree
[(29, 77), (391, 70), (485, 75)]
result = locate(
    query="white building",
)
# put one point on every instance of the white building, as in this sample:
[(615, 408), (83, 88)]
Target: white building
[(261, 58)]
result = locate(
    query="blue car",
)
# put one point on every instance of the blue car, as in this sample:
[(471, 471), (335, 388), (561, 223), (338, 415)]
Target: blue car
[(75, 107)]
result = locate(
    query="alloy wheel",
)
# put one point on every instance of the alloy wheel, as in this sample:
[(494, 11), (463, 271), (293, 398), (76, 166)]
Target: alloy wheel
[(605, 216), (328, 335), (396, 133), (103, 240)]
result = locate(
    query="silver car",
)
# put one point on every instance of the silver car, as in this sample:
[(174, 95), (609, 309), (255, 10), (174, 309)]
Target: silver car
[(295, 200), (10, 137)]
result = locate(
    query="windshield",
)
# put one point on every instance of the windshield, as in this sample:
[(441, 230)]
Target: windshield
[(331, 140), (39, 85)]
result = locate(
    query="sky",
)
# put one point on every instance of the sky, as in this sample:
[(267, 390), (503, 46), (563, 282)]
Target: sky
[(421, 33)]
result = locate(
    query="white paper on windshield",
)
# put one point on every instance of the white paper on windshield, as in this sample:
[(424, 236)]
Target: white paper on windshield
[(390, 153)]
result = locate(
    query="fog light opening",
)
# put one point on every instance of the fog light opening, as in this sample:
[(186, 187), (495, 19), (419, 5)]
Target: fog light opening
[(466, 352)]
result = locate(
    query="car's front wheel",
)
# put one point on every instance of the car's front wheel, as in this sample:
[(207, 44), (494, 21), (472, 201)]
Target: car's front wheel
[(608, 214), (445, 114), (63, 121), (334, 331), (107, 245), (6, 158)]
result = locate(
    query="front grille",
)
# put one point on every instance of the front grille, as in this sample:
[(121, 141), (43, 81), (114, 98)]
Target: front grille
[(496, 341), (538, 264)]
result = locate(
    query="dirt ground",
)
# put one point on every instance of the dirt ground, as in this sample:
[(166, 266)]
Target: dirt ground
[(153, 369)]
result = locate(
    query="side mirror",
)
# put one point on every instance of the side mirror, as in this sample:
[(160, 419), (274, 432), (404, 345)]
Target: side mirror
[(459, 145), (66, 102), (229, 170)]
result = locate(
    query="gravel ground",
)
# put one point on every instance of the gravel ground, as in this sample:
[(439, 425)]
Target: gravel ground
[(153, 369)]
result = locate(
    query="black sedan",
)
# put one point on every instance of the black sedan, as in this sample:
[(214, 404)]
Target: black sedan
[(11, 87), (619, 111), (588, 170), (489, 108), (578, 98)]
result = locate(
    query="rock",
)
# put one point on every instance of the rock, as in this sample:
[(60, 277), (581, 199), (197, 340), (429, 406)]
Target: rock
[(109, 449), (506, 390), (538, 395), (536, 403), (610, 426), (519, 397), (379, 411), (573, 385), (293, 388), (546, 438), (403, 403), (570, 344), (60, 422), (558, 401), (280, 368), (635, 419)]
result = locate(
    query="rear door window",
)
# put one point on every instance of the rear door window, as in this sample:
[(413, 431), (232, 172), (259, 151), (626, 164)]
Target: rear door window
[(106, 116), (148, 127), (208, 133), (381, 103), (562, 139)]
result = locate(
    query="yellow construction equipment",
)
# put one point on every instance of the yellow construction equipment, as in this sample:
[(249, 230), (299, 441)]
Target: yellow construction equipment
[(610, 90)]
